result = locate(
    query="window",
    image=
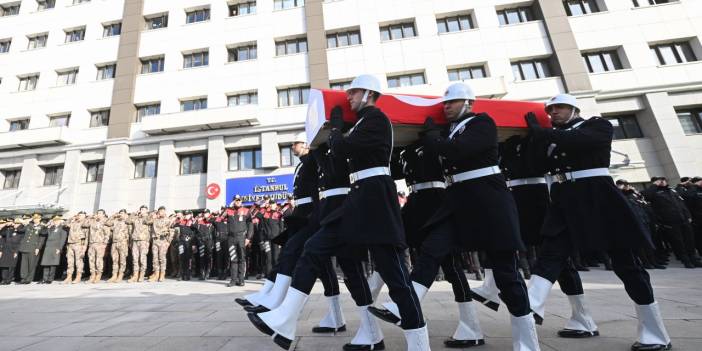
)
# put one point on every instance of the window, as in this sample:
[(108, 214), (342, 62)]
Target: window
[(529, 70), (603, 61), (156, 21), (515, 15), (406, 80), (106, 71), (196, 59), (241, 160), (293, 96), (73, 35), (199, 15), (243, 8), (691, 120), (287, 4), (625, 127), (12, 178), (242, 53), (148, 110), (152, 64), (193, 164), (454, 23), (145, 168), (5, 45), (192, 105), (67, 77), (112, 29), (290, 46), (94, 172), (37, 41), (397, 31), (53, 175), (345, 85), (100, 118), (250, 98), (580, 7), (76, 2), (19, 124), (340, 39), (28, 83), (465, 73), (287, 158), (651, 2), (9, 9), (672, 53), (45, 4), (59, 120)]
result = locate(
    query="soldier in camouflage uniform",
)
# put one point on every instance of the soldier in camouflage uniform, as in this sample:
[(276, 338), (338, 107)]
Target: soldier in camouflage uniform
[(120, 244), (98, 239), (161, 235), (141, 234), (75, 250)]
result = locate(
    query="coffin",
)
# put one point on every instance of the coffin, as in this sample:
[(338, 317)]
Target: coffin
[(408, 112)]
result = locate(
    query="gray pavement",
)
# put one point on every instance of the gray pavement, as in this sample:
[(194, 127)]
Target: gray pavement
[(199, 315)]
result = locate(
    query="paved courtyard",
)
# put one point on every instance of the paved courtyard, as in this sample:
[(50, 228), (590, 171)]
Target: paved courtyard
[(199, 315)]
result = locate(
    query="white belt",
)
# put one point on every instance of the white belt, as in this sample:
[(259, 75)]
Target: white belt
[(367, 173), (476, 173), (526, 181), (586, 173), (427, 185), (333, 192), (303, 201)]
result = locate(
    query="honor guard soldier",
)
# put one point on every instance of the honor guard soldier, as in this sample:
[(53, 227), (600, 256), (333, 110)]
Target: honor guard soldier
[(588, 211), (75, 250), (370, 220), (239, 234)]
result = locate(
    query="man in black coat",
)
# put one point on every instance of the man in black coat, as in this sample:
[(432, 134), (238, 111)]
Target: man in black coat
[(644, 212), (57, 234), (12, 232), (693, 199), (30, 246), (369, 219), (588, 211)]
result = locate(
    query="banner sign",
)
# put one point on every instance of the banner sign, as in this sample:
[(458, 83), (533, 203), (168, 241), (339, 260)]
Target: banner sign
[(252, 189)]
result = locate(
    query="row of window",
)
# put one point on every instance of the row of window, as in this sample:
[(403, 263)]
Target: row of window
[(238, 160), (98, 118), (584, 7)]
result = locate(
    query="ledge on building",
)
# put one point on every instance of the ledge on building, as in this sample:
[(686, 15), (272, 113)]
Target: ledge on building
[(198, 120)]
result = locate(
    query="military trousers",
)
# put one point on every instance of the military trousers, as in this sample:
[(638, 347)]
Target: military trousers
[(96, 257), (140, 249), (75, 255), (159, 252), (28, 266), (236, 250), (119, 252)]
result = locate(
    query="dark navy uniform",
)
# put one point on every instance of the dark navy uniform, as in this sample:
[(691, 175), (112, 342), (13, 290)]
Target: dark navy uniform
[(32, 242), (185, 242), (221, 254), (239, 228), (10, 251), (479, 212), (205, 245), (587, 210)]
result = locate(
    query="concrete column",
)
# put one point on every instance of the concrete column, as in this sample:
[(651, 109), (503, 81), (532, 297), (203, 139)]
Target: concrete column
[(118, 172), (316, 44), (30, 179), (660, 123), (168, 165), (216, 169), (70, 181), (270, 150)]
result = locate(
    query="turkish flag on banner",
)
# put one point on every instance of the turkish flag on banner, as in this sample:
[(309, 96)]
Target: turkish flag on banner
[(408, 112)]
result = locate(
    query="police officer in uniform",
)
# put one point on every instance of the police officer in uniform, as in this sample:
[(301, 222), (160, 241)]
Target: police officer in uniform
[(205, 243), (221, 255), (186, 237), (588, 211), (239, 234), (369, 219)]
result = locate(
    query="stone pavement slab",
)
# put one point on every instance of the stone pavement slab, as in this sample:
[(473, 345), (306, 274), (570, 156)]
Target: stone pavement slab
[(202, 315)]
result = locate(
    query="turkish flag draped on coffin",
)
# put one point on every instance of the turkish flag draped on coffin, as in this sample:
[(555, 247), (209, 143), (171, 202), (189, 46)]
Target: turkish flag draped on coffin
[(408, 112)]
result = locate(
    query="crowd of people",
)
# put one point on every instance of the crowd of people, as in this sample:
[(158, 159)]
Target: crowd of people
[(231, 243)]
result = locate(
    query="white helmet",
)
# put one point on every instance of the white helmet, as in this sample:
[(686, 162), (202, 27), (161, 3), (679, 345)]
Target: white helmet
[(458, 91), (563, 99), (365, 82), (300, 137)]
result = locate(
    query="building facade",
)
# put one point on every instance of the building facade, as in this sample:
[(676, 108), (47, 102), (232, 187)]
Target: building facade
[(118, 103)]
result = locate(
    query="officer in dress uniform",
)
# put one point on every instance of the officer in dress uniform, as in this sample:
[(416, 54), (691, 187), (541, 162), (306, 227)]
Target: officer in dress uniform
[(13, 232), (368, 219), (221, 255), (298, 222), (239, 234), (55, 241), (30, 246), (588, 211)]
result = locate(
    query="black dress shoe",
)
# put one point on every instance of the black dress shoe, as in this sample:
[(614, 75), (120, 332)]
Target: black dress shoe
[(243, 302), (49, 282), (462, 344), (256, 309), (490, 304), (260, 324), (577, 334), (282, 342), (637, 346), (325, 330), (384, 315), (240, 283), (24, 282), (352, 347)]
